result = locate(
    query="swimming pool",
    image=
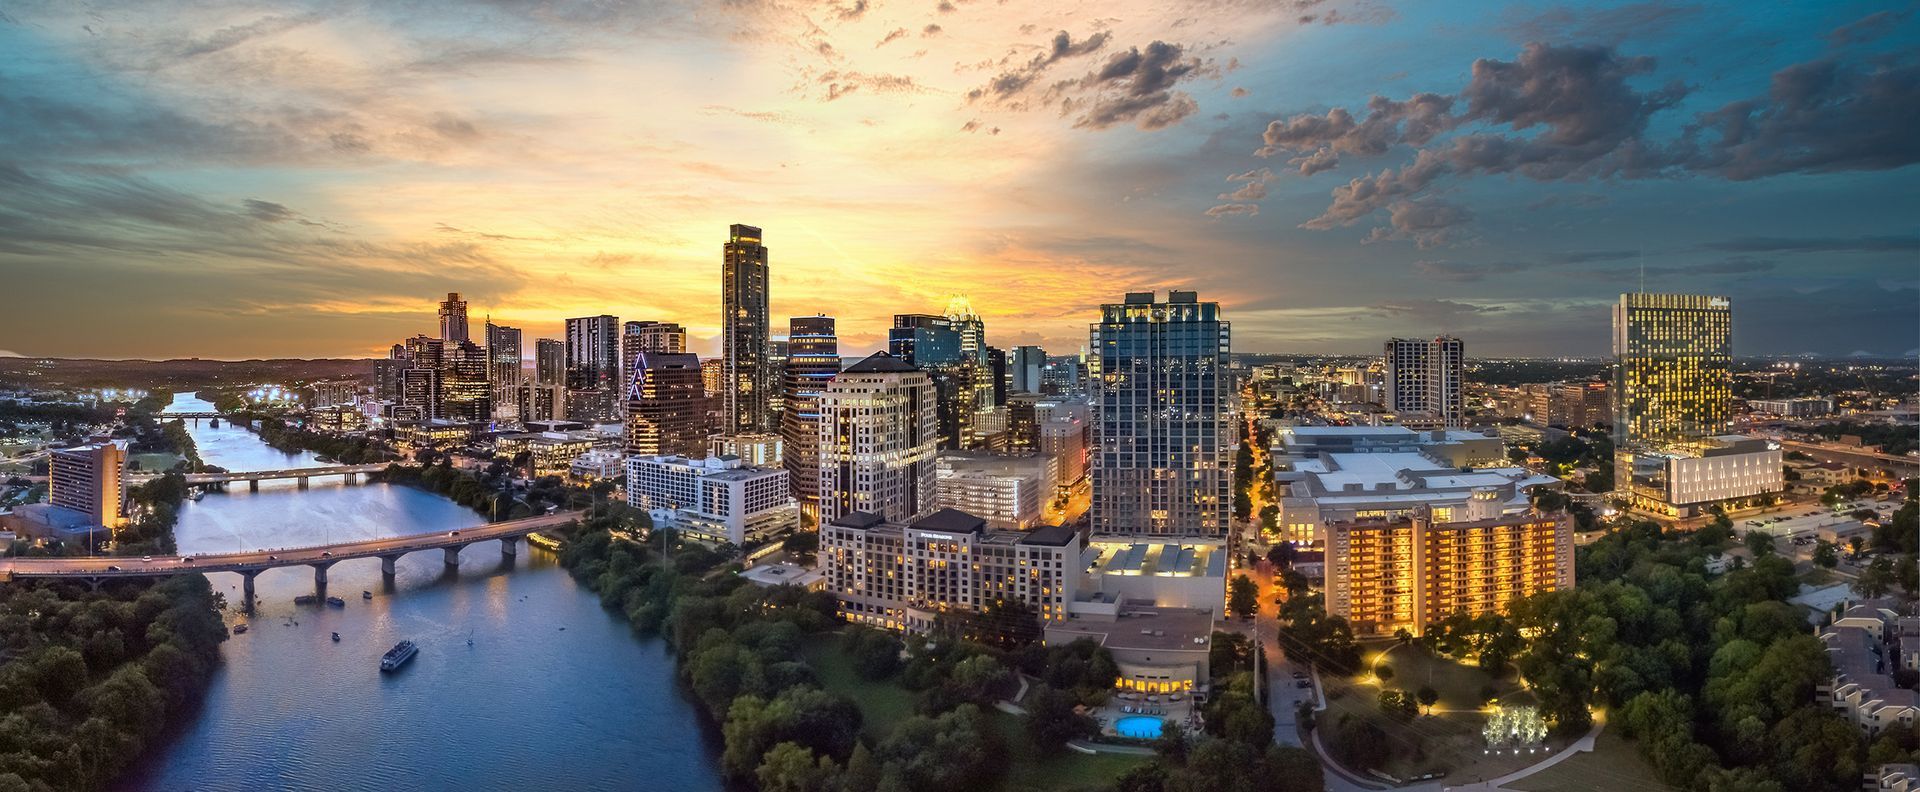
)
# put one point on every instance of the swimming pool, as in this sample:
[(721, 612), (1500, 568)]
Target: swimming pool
[(1144, 727)]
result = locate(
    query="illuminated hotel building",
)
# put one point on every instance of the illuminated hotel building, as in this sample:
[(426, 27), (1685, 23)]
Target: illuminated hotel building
[(1386, 575), (744, 336), (1425, 380), (877, 441), (899, 576), (666, 406), (1162, 418), (813, 359), (90, 479), (1672, 375)]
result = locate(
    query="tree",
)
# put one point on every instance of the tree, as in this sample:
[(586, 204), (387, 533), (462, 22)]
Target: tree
[(1383, 671), (791, 767), (1281, 555), (875, 654), (1291, 769), (1825, 554), (1759, 543), (1397, 704), (1427, 697), (802, 546), (1854, 546), (1243, 596), (1172, 743), (1052, 719), (1877, 579)]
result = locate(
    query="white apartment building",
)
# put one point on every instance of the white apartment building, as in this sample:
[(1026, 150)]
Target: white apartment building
[(1390, 485), (716, 499), (879, 433), (1008, 491), (902, 576)]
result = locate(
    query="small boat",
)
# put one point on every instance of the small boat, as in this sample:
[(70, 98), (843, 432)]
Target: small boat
[(336, 637), (196, 495), (366, 595), (336, 602), (239, 629), (306, 599), (398, 655)]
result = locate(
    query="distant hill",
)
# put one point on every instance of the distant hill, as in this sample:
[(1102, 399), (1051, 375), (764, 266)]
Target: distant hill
[(179, 374)]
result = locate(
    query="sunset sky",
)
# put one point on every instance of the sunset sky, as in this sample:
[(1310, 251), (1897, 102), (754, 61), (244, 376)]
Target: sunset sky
[(263, 179)]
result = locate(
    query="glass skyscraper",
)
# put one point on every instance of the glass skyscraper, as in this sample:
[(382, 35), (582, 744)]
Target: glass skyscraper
[(813, 358), (1162, 465), (744, 336)]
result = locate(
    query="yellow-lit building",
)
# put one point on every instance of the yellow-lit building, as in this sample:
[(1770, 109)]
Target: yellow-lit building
[(550, 453), (1673, 380), (90, 480), (900, 577), (1387, 575)]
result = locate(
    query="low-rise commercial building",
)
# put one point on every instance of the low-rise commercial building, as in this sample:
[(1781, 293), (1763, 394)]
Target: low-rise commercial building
[(549, 453), (1682, 480), (1334, 488), (717, 499), (902, 576), (757, 450), (1792, 408), (1008, 491), (600, 464), (1157, 650), (1453, 447)]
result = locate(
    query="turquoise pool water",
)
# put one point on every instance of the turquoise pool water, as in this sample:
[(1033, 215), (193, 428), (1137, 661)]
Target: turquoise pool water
[(1145, 727)]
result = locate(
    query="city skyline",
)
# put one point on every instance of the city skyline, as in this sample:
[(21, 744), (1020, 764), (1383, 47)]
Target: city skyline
[(322, 204)]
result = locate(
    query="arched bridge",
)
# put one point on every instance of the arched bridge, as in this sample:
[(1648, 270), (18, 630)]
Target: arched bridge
[(251, 563), (253, 477)]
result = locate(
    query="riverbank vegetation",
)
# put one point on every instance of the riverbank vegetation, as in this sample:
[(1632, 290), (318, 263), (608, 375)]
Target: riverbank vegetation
[(90, 679), (347, 450)]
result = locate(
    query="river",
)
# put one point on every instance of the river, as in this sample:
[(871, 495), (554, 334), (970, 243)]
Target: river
[(553, 692)]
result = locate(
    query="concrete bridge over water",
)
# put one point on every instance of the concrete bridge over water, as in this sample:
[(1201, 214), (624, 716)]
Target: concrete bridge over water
[(349, 473)]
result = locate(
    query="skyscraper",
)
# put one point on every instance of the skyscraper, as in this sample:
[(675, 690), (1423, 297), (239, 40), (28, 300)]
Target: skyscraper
[(1162, 418), (973, 347), (465, 394), (877, 441), (1425, 378), (743, 332), (666, 406), (506, 372), (1026, 365), (549, 361), (453, 318), (593, 368), (813, 358), (637, 337), (933, 344), (1672, 379)]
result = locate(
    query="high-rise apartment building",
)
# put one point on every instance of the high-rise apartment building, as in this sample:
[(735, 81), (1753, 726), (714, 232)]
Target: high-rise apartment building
[(453, 319), (877, 441), (593, 368), (90, 479), (1025, 366), (666, 406), (665, 338), (506, 371), (744, 335), (1163, 426), (813, 359), (1672, 377), (1426, 381), (1386, 575), (465, 394), (549, 361)]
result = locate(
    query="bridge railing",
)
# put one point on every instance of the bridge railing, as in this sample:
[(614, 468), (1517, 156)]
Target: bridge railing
[(301, 548)]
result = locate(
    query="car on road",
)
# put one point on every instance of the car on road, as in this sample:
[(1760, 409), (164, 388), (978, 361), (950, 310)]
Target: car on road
[(1299, 675), (326, 554), (113, 569), (186, 559), (273, 558), (1303, 684), (146, 559), (453, 533)]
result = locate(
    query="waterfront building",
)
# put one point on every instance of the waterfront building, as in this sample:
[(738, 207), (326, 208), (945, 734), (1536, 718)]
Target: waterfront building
[(753, 450), (877, 441), (903, 575), (666, 405), (548, 453), (1163, 434), (1426, 380), (1008, 491), (813, 360), (453, 319), (716, 499), (744, 334), (593, 368), (333, 393), (599, 464), (90, 480), (1386, 574)]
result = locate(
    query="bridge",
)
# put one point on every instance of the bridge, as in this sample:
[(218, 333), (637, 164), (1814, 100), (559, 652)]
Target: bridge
[(349, 473), (250, 564)]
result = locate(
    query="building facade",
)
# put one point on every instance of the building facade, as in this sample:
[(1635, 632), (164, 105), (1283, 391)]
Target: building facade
[(744, 334), (550, 361), (666, 405), (902, 576), (90, 479), (715, 499), (1162, 461), (877, 441), (1025, 367), (813, 360), (1673, 367), (466, 395), (593, 368), (506, 370), (453, 319), (754, 450), (1426, 377), (1008, 491), (1386, 575)]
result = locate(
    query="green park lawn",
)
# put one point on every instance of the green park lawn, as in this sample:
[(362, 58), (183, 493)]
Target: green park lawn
[(155, 462), (1614, 763), (1446, 740), (883, 705)]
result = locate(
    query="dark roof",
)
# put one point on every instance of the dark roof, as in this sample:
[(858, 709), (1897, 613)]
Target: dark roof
[(880, 363), (950, 521), (859, 519), (1052, 535)]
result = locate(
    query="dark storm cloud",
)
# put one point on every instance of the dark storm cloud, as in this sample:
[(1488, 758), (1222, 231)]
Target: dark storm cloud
[(1011, 83), (1574, 113), (1818, 244), (1136, 86)]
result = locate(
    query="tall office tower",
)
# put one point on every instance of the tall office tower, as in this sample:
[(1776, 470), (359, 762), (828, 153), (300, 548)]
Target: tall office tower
[(1672, 379), (453, 318), (666, 338), (973, 347), (1163, 428), (593, 368), (418, 366), (90, 479), (713, 374), (1002, 378), (506, 372), (1425, 376), (424, 352), (877, 441), (464, 393), (1025, 366), (386, 376), (549, 361), (813, 358), (933, 345), (743, 332), (666, 406), (420, 390)]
